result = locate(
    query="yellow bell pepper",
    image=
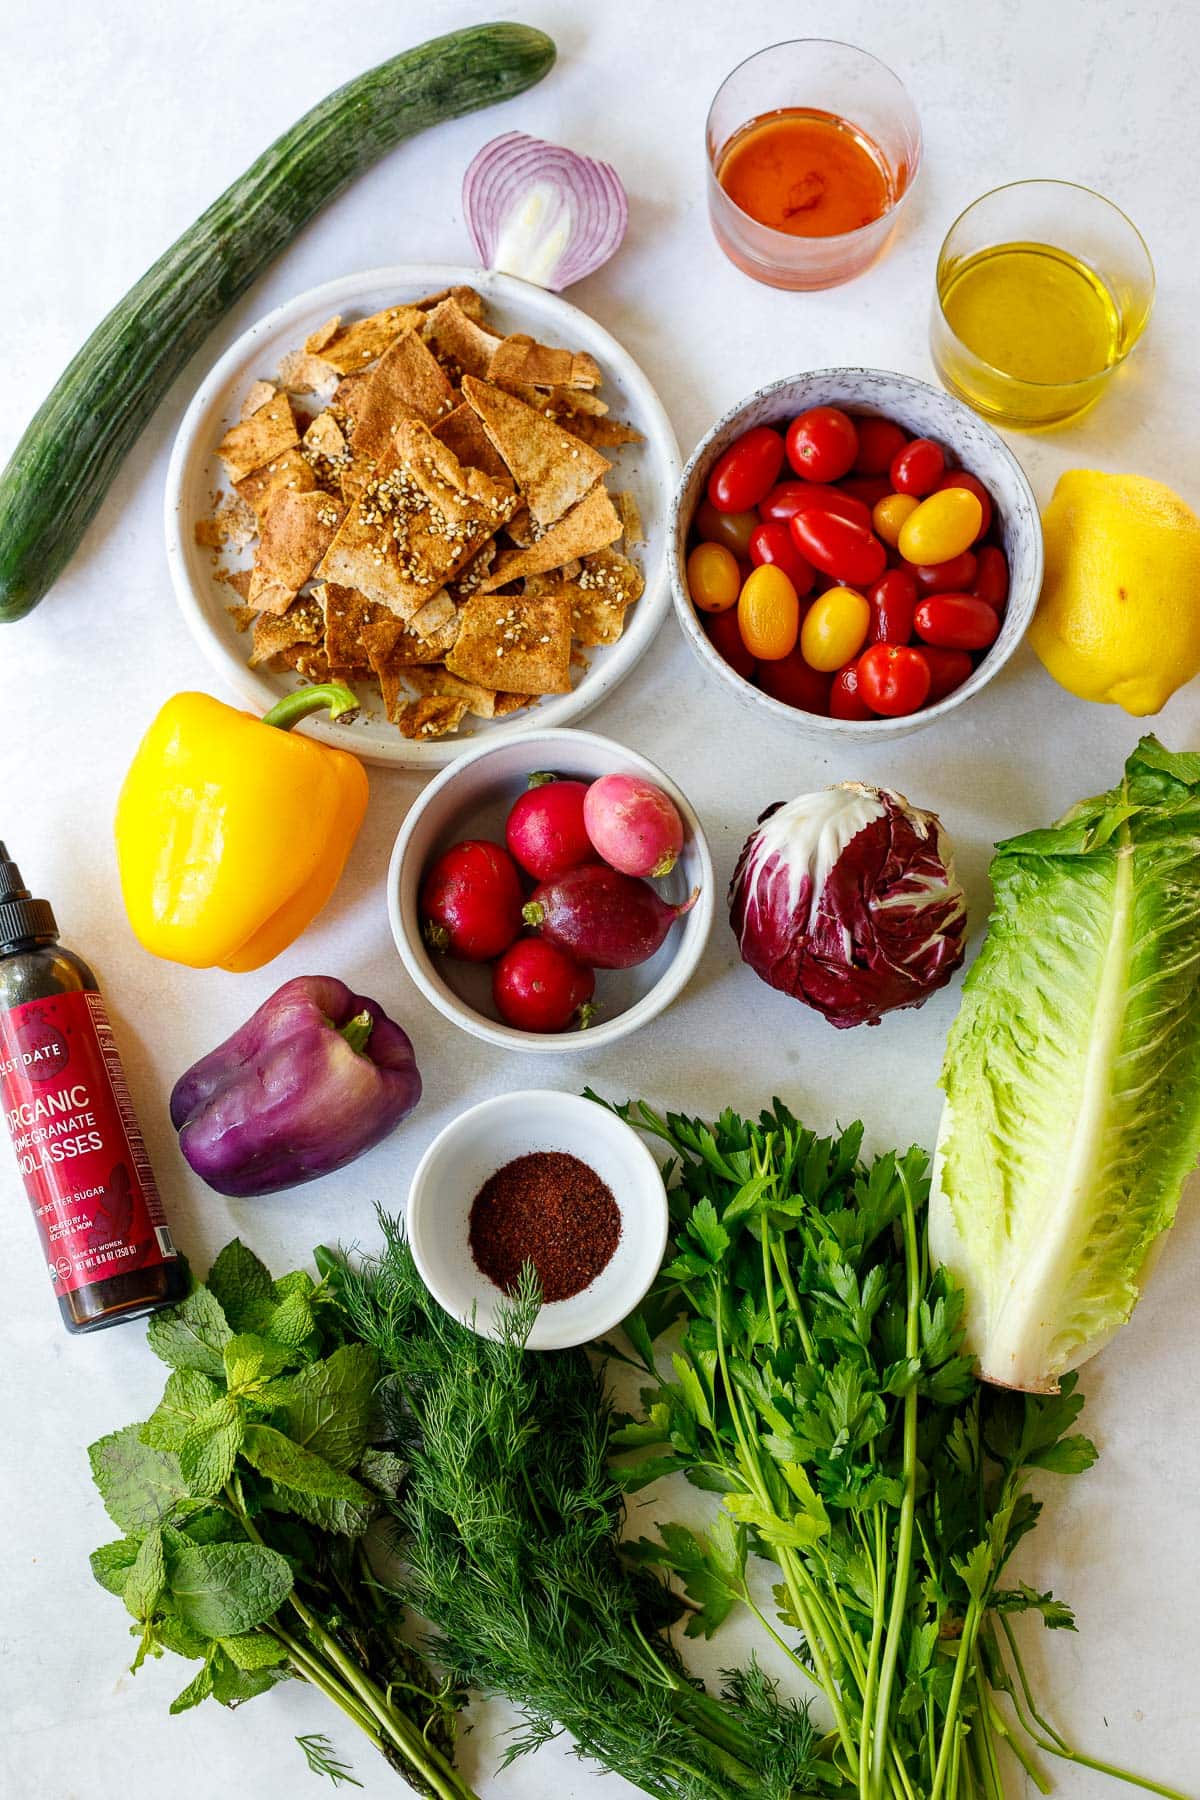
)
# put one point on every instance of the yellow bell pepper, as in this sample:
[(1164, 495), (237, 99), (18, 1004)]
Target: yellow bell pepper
[(231, 833)]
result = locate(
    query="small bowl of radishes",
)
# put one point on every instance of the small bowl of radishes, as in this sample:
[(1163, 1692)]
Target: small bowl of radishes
[(553, 892)]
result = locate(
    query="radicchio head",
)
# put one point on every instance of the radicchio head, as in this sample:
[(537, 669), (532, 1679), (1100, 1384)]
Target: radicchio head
[(847, 900)]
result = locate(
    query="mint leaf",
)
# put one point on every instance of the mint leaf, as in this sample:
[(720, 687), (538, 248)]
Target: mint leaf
[(139, 1486), (281, 1460), (384, 1471), (174, 1635), (254, 1650), (345, 1518), (233, 1686), (251, 1359), (111, 1564), (191, 1335), (198, 1689), (242, 1285), (212, 1526), (328, 1404), (291, 1322), (147, 1577), (299, 1281), (222, 1590), (185, 1397), (209, 1451)]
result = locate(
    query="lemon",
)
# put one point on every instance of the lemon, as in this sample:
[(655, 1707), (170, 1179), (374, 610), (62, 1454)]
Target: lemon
[(1119, 616)]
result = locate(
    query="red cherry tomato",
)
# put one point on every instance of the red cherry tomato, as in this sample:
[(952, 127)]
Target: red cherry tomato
[(742, 475), (538, 987), (822, 444), (957, 622), (845, 700), (795, 683), (839, 547), (870, 489), (893, 680), (991, 576), (948, 669), (772, 543), (733, 530), (954, 577), (917, 469), (962, 478), (880, 441), (893, 600), (726, 638), (790, 497)]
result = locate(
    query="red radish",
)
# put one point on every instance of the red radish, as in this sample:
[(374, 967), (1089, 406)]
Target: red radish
[(545, 829), (538, 987), (633, 825), (605, 919), (470, 902)]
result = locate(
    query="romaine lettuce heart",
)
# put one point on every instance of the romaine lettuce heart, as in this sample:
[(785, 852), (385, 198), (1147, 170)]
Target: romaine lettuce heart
[(1072, 1074)]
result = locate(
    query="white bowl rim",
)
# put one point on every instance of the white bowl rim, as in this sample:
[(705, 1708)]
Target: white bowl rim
[(816, 724), (600, 677), (695, 925), (544, 1336)]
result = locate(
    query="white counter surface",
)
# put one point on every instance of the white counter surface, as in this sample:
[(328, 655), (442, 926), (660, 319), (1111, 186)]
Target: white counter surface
[(120, 123)]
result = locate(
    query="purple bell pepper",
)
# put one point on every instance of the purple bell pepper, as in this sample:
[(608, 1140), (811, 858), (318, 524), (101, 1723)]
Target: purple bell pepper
[(314, 1078)]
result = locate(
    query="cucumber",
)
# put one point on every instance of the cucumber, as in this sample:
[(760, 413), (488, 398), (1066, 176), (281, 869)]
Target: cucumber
[(63, 466)]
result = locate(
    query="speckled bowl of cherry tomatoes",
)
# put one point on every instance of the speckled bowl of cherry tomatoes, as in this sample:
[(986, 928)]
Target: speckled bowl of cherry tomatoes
[(855, 552), (551, 892)]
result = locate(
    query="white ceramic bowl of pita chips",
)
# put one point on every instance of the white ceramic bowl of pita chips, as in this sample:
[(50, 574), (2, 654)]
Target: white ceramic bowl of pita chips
[(472, 799), (648, 469)]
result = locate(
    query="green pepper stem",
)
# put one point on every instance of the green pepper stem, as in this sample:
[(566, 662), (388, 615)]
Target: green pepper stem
[(332, 696), (357, 1031)]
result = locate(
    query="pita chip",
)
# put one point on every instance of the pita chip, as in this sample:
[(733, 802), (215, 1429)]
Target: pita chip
[(522, 359), (419, 520), (257, 396), (296, 532), (265, 434), (479, 700), (587, 528), (458, 341), (552, 469), (434, 716), (520, 641), (407, 383), (302, 623), (353, 346), (391, 646), (346, 613), (291, 473), (471, 444), (300, 372)]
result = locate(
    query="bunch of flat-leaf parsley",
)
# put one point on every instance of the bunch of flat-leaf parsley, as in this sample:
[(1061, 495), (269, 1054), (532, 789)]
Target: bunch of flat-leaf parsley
[(819, 1385)]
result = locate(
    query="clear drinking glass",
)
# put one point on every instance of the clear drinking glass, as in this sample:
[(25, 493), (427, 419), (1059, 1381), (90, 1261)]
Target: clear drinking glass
[(822, 76), (1058, 225)]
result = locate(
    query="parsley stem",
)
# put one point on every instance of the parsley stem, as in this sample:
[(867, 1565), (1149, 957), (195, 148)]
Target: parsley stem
[(908, 1503)]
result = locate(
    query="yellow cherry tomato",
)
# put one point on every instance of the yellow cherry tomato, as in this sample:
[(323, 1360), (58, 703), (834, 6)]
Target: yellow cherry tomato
[(768, 613), (713, 578), (944, 525), (834, 629), (889, 514), (734, 530)]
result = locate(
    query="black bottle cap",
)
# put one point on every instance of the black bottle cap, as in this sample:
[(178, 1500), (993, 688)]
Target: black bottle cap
[(21, 916)]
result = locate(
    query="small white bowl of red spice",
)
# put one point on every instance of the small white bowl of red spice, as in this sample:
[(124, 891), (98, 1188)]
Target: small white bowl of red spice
[(854, 552), (551, 892), (545, 1178)]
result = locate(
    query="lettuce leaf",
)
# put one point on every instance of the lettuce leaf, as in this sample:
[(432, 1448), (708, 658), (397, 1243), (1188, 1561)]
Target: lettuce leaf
[(1072, 1074)]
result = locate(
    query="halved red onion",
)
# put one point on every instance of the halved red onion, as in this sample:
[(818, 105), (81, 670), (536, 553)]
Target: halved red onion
[(541, 211)]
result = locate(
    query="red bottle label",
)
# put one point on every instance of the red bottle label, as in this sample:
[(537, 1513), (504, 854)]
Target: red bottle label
[(79, 1147)]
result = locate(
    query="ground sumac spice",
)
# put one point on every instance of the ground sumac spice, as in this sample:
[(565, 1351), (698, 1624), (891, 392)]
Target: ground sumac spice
[(549, 1209)]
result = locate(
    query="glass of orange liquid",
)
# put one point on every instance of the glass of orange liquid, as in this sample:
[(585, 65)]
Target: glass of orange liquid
[(813, 147)]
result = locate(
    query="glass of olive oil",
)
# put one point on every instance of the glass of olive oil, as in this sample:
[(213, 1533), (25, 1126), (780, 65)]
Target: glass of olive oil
[(812, 148), (1043, 289)]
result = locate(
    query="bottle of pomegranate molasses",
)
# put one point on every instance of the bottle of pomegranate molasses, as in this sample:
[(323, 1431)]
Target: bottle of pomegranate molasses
[(79, 1147)]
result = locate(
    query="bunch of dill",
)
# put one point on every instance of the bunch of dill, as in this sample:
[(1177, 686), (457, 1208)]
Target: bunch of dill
[(508, 1526)]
